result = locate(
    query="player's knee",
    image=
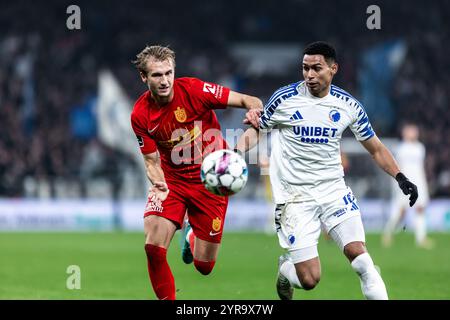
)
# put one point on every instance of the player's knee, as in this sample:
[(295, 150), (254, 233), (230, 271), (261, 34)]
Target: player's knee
[(204, 267), (309, 281)]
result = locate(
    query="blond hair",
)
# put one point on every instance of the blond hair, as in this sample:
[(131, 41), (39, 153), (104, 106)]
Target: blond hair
[(159, 53)]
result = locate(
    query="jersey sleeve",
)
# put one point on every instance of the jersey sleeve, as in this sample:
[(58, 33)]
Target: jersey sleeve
[(271, 115), (209, 95), (146, 143), (360, 126)]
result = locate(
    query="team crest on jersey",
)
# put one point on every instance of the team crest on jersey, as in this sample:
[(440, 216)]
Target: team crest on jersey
[(334, 115), (291, 239), (216, 224), (180, 114)]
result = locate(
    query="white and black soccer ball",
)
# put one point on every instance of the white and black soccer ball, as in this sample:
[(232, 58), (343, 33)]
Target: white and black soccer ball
[(224, 172)]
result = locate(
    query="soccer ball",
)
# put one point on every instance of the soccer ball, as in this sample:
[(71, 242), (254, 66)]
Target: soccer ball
[(224, 172)]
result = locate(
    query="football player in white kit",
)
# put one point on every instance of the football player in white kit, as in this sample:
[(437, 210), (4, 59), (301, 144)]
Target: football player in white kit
[(411, 156), (307, 176)]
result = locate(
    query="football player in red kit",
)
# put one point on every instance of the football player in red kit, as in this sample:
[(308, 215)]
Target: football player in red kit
[(176, 128)]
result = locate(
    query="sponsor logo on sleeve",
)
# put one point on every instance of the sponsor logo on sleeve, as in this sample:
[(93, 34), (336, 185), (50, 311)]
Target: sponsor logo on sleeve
[(208, 87), (214, 89)]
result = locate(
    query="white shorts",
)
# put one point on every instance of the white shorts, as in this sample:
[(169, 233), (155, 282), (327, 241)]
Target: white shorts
[(298, 224)]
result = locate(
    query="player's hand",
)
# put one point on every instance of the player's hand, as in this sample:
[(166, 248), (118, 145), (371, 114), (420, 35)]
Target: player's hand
[(252, 117), (159, 191), (407, 187)]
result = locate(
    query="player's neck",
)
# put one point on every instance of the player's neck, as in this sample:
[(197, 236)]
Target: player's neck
[(162, 101), (320, 94)]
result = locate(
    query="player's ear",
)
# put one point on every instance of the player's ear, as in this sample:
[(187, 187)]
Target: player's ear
[(334, 68), (143, 77)]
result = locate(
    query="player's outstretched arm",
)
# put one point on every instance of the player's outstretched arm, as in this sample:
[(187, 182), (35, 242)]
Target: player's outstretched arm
[(382, 156), (240, 100), (155, 174), (247, 140), (384, 159)]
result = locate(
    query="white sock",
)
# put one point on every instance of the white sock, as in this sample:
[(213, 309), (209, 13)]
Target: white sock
[(421, 228), (372, 285), (288, 270)]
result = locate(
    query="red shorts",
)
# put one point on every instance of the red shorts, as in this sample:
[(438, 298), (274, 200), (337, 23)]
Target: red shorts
[(206, 211)]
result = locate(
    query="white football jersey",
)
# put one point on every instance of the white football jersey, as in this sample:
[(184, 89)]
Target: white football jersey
[(306, 151)]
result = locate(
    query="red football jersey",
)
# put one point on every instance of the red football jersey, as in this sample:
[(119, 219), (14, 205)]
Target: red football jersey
[(184, 130)]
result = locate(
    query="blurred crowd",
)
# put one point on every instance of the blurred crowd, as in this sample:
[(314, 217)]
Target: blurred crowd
[(48, 73)]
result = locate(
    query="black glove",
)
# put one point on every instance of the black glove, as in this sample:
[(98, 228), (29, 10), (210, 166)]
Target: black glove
[(407, 187)]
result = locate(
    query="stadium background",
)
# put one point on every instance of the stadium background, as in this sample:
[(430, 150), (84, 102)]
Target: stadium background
[(70, 167)]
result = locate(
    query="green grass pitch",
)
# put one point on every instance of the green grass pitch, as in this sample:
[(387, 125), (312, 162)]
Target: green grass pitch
[(113, 266)]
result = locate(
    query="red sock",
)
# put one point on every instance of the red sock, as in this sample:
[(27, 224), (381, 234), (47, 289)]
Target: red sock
[(192, 241), (161, 277)]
